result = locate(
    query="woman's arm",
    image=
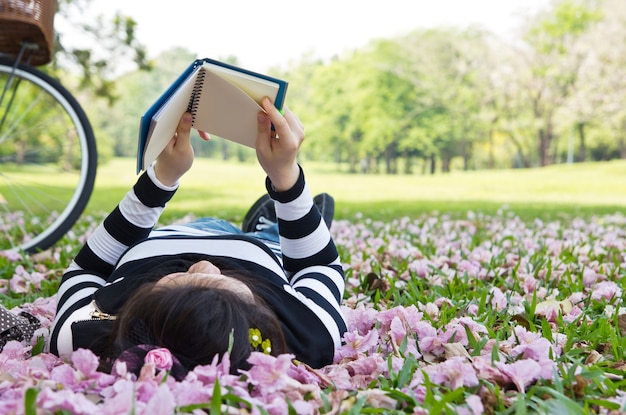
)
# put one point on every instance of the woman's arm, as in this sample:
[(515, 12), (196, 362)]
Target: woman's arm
[(310, 257), (131, 221), (135, 216)]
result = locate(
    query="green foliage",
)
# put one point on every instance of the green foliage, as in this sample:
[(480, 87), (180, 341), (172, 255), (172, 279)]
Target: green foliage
[(30, 401), (569, 18), (110, 42)]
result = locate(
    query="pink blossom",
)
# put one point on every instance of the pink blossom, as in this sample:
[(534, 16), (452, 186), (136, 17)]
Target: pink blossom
[(421, 267), (536, 350), (522, 373), (424, 329), (377, 398), (85, 361), (498, 300), (355, 344), (372, 366), (606, 290), (304, 375), (472, 268), (303, 407), (573, 315), (474, 406), (269, 372), (207, 374), (590, 276), (119, 397), (162, 402), (12, 256), (65, 400), (452, 373), (472, 309), (432, 310), (13, 350), (530, 284), (397, 331), (65, 375), (189, 392), (547, 368), (22, 280), (360, 319), (161, 358), (486, 370)]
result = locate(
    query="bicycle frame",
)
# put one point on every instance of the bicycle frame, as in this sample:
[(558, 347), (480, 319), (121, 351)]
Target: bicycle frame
[(25, 47)]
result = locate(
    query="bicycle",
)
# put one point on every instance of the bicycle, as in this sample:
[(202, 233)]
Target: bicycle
[(48, 153)]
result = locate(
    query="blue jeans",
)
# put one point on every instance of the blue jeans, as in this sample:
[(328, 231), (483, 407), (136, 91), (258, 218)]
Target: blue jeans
[(269, 236)]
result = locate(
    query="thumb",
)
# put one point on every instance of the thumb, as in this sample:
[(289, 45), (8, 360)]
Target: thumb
[(183, 131), (263, 129)]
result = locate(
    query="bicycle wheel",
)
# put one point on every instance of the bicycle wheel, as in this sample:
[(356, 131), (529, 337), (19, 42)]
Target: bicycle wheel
[(48, 159)]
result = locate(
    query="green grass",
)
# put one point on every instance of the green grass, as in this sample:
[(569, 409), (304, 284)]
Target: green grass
[(227, 189)]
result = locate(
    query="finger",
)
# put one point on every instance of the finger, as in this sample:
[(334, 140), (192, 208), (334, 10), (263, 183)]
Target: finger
[(296, 126), (264, 126), (204, 135), (183, 131), (277, 119)]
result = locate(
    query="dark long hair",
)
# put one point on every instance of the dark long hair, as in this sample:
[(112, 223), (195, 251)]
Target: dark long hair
[(196, 323)]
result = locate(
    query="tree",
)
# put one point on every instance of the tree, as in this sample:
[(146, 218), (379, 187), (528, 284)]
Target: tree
[(106, 44), (448, 67), (602, 87), (554, 61)]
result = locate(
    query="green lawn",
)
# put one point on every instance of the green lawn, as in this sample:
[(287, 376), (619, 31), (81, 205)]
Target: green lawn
[(226, 189)]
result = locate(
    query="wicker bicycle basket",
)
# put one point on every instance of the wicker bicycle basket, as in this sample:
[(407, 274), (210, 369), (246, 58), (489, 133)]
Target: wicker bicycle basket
[(29, 21)]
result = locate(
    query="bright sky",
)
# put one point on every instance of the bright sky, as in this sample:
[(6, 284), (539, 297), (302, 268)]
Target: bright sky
[(265, 33)]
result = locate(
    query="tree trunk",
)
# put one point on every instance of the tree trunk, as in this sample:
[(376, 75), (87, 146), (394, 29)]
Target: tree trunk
[(467, 156), (621, 145), (582, 149), (391, 160), (408, 162), (543, 147), (433, 164), (352, 162), (545, 141), (523, 159), (445, 163), (491, 159), (388, 161)]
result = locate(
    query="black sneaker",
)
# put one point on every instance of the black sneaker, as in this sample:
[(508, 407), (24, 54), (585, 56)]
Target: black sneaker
[(326, 205), (260, 216), (262, 213)]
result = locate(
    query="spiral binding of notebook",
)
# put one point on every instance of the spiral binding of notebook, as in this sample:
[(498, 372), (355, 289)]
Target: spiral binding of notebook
[(195, 93)]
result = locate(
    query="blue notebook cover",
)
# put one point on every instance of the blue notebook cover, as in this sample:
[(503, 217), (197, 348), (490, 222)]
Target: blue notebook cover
[(146, 119)]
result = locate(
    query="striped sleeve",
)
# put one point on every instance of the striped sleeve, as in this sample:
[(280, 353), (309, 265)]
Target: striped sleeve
[(310, 257), (131, 221)]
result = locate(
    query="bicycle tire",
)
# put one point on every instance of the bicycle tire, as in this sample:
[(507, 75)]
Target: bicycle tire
[(45, 182)]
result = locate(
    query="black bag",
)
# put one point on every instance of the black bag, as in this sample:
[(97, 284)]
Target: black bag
[(92, 334)]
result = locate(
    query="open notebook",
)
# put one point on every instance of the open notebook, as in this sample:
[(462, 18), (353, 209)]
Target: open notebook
[(223, 99)]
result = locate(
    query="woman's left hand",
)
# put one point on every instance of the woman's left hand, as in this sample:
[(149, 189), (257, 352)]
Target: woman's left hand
[(277, 150), (177, 157)]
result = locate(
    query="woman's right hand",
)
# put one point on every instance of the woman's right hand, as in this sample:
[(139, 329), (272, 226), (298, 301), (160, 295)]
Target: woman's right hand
[(177, 157), (277, 150)]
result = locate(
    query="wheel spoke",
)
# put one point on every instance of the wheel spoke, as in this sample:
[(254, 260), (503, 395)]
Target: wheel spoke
[(47, 160)]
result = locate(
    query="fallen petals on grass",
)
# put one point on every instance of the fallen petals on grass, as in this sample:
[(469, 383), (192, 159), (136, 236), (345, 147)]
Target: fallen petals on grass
[(471, 315)]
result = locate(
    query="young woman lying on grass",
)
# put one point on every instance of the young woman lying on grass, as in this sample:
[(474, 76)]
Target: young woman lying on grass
[(207, 287)]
